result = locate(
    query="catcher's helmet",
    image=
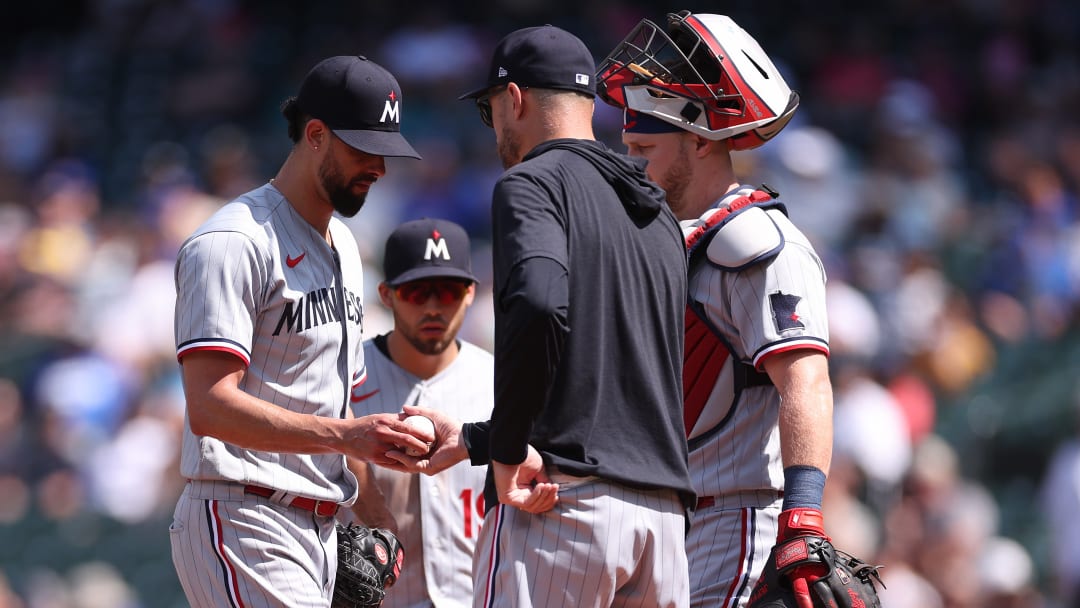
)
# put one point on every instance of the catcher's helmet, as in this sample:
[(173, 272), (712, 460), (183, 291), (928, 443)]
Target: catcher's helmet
[(704, 74)]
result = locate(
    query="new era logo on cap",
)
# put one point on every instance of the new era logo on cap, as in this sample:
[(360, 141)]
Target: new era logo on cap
[(427, 248)]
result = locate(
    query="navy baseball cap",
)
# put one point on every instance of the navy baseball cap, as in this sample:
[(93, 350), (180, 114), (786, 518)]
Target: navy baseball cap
[(427, 248), (636, 122), (545, 57), (360, 101)]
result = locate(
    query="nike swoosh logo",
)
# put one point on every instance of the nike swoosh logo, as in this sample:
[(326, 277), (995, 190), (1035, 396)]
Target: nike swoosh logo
[(359, 398), (291, 261)]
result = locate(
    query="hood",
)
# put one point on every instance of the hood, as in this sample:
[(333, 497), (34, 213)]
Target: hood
[(641, 198)]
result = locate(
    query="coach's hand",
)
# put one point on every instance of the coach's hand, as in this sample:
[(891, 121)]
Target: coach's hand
[(371, 437), (525, 486), (449, 449)]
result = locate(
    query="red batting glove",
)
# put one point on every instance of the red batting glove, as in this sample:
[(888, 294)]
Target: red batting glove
[(796, 523)]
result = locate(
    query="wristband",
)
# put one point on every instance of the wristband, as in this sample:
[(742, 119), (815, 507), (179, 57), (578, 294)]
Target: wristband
[(803, 487)]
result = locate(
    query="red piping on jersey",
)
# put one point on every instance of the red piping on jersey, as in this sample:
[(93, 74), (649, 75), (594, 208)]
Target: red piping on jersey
[(223, 349), (493, 556), (359, 378), (232, 582), (760, 364), (742, 572), (704, 356), (358, 398)]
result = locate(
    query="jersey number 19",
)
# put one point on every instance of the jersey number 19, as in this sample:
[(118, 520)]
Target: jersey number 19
[(470, 507)]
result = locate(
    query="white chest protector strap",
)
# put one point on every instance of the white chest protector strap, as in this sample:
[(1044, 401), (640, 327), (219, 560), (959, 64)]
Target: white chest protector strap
[(737, 235)]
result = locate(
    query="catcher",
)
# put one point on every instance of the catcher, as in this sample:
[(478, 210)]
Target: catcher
[(756, 390), (369, 562)]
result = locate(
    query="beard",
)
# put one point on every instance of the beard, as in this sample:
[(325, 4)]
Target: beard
[(674, 181), (427, 346), (339, 190), (509, 147)]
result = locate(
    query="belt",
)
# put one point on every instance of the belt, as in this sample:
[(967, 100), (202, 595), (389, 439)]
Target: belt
[(749, 498), (322, 508)]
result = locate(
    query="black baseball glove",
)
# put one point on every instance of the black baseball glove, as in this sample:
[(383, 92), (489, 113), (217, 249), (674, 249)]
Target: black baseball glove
[(369, 562), (805, 570), (833, 579)]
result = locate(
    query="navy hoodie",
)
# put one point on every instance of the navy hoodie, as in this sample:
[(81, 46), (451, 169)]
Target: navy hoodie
[(590, 294)]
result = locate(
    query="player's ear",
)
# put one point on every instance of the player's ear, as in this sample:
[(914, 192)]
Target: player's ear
[(703, 147), (470, 294), (515, 94), (316, 134), (385, 295)]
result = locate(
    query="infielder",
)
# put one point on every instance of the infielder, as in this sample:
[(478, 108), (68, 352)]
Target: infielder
[(428, 287), (589, 298), (268, 325), (758, 400)]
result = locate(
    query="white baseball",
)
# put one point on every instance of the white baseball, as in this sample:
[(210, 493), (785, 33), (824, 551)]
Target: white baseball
[(424, 428)]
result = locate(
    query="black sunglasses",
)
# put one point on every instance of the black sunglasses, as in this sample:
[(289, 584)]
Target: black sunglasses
[(483, 103)]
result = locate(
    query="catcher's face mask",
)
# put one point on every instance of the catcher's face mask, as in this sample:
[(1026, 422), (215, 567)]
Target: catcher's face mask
[(704, 74)]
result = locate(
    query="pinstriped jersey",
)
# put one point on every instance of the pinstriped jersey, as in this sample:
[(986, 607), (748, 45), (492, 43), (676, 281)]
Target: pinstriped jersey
[(769, 307), (439, 516), (257, 281)]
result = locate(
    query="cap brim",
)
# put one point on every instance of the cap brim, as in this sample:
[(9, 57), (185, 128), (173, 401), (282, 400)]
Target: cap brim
[(431, 272), (379, 143), (477, 92), (576, 88)]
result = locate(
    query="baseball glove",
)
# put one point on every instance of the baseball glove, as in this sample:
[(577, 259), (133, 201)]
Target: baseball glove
[(369, 562), (840, 580)]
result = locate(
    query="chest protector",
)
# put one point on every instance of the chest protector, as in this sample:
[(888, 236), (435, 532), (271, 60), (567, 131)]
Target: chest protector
[(732, 238)]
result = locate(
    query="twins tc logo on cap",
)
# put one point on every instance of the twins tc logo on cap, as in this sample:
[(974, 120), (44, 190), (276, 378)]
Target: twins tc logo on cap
[(391, 110), (428, 248), (348, 93), (436, 247)]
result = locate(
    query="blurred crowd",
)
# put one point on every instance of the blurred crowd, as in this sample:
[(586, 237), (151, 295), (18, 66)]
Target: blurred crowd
[(935, 162)]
